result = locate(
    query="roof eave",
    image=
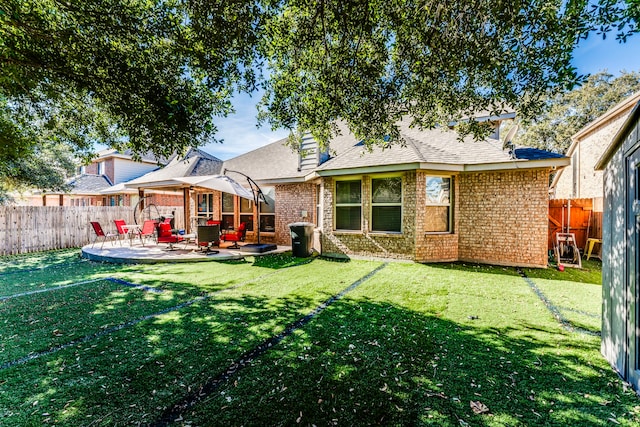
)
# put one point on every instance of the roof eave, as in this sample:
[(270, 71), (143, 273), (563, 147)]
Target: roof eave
[(155, 184), (558, 162), (617, 109), (369, 169), (618, 138)]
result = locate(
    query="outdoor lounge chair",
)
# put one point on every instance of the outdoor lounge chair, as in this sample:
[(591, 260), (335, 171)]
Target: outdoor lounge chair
[(121, 231), (97, 228), (209, 236), (148, 230), (165, 235), (235, 236)]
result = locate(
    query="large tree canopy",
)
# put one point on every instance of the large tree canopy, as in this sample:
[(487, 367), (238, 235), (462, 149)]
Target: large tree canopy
[(155, 74), (568, 112)]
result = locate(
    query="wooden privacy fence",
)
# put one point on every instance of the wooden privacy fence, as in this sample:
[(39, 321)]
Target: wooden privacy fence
[(574, 216), (39, 228)]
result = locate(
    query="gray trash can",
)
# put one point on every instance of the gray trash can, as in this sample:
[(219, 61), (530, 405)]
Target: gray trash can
[(301, 238)]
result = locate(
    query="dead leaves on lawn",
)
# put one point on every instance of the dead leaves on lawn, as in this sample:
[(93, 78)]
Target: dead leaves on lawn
[(478, 407)]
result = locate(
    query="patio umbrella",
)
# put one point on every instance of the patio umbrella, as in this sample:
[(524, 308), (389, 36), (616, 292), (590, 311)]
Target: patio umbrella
[(217, 182)]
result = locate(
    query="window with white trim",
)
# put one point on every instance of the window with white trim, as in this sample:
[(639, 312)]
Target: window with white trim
[(386, 204), (205, 205), (439, 206), (348, 205), (268, 211)]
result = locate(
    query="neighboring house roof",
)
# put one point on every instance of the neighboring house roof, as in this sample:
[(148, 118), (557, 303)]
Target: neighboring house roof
[(632, 118), (621, 108), (88, 184), (435, 149), (147, 157), (194, 163)]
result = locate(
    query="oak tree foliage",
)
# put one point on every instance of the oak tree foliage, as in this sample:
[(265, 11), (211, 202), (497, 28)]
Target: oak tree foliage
[(154, 75), (566, 113)]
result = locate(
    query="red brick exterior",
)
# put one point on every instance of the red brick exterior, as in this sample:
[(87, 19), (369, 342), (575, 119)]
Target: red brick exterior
[(503, 217), (498, 218), (292, 200), (109, 169), (364, 242)]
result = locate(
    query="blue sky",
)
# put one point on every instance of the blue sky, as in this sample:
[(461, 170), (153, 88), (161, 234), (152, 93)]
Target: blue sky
[(241, 135)]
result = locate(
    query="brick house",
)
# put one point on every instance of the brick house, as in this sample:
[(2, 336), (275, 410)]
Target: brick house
[(432, 199), (100, 182), (581, 180)]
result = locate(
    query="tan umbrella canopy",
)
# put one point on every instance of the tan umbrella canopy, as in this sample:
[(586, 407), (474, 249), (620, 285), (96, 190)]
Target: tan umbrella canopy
[(217, 182)]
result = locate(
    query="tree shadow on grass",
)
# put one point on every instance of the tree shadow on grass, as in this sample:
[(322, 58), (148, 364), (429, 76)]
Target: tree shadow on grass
[(359, 362), (362, 362)]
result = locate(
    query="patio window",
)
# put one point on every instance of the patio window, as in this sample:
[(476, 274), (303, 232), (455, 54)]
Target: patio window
[(348, 205), (227, 211), (386, 204), (246, 213), (116, 200), (439, 212), (268, 211), (205, 205)]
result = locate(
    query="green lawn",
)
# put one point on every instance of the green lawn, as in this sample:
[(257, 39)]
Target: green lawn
[(232, 344)]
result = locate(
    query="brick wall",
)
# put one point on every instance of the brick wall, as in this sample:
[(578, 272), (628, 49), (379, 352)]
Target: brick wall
[(91, 169), (365, 242), (503, 217), (291, 201), (109, 169)]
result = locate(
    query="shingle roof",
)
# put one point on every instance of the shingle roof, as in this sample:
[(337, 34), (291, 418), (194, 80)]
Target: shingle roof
[(420, 148), (88, 184), (278, 160), (433, 146), (194, 163)]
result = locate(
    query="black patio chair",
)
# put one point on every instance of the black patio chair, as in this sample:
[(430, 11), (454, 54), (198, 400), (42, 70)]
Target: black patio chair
[(209, 236)]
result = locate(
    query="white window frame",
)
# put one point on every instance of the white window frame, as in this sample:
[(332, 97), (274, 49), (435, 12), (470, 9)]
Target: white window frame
[(336, 205), (449, 204), (400, 203), (268, 192)]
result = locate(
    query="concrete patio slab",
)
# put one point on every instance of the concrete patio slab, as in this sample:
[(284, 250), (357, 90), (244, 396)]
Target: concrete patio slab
[(153, 254)]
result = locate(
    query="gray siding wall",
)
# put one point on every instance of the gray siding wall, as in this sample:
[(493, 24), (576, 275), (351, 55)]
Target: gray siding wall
[(619, 266), (613, 264)]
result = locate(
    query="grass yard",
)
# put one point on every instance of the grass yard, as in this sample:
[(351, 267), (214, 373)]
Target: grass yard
[(284, 341)]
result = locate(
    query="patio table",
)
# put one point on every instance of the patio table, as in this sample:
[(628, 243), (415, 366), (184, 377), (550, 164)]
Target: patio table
[(132, 230)]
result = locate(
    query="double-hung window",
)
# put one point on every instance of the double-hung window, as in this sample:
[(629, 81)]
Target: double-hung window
[(348, 205), (228, 211), (439, 212), (268, 211), (246, 213), (386, 204)]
